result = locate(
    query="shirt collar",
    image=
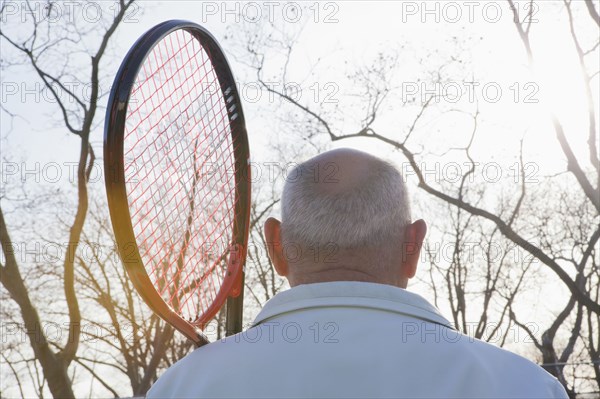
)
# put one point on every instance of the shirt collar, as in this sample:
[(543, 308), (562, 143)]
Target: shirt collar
[(351, 294)]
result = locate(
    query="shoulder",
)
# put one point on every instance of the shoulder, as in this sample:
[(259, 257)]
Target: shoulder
[(206, 369), (507, 372)]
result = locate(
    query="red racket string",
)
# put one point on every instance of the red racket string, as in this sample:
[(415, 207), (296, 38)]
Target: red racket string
[(179, 166)]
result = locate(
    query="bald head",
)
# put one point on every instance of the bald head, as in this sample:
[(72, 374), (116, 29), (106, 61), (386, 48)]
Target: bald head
[(344, 217), (346, 197), (340, 171)]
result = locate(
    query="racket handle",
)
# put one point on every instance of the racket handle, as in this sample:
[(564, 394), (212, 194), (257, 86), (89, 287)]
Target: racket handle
[(233, 325), (235, 300)]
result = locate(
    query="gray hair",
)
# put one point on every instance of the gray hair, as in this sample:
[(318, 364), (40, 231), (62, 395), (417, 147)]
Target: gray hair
[(366, 215)]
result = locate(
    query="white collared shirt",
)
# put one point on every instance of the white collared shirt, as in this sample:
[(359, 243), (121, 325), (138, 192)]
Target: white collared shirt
[(353, 340)]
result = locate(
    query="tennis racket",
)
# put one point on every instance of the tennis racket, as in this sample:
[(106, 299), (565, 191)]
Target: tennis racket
[(176, 162)]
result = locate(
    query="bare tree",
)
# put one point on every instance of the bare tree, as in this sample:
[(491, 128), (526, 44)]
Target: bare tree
[(479, 278), (134, 341), (36, 50)]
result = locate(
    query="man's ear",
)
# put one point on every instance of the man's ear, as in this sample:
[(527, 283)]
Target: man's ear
[(275, 246), (414, 234)]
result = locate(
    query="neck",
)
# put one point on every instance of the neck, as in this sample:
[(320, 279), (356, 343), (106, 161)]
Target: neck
[(323, 273)]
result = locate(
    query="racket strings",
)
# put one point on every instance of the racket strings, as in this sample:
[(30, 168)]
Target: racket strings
[(179, 162)]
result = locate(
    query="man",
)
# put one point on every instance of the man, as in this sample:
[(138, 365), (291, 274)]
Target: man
[(348, 327)]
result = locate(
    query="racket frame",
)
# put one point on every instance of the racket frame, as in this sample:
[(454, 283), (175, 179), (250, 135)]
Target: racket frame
[(115, 180)]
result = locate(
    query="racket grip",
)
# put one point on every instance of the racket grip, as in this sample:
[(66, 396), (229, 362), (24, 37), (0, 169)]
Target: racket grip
[(235, 270), (235, 300)]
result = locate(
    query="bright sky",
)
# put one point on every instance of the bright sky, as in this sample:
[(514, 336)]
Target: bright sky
[(353, 32)]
